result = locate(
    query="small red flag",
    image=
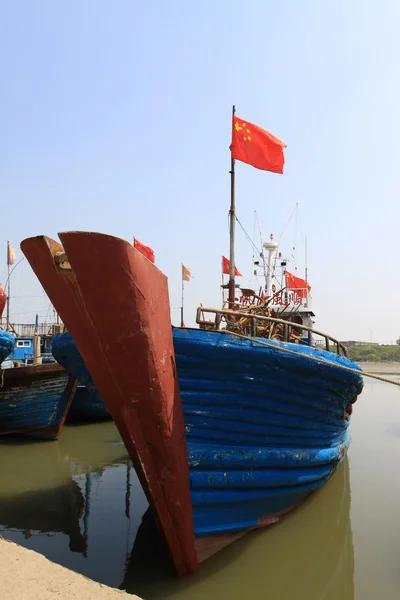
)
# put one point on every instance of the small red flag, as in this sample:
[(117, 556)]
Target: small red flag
[(299, 285), (256, 146), (3, 300), (226, 265), (145, 250)]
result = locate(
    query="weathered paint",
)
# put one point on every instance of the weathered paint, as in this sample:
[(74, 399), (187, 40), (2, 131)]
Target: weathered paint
[(7, 344), (264, 428), (34, 400), (239, 487), (131, 359)]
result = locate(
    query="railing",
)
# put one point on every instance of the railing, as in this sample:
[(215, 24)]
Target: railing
[(253, 322), (30, 329)]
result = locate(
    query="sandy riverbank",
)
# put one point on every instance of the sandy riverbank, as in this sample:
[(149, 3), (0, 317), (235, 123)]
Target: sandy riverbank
[(392, 368), (27, 575)]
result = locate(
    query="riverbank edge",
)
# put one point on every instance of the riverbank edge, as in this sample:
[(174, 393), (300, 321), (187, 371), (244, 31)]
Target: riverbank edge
[(28, 575), (380, 367)]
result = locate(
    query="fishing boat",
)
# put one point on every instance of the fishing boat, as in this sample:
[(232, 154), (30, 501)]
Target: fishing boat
[(34, 400), (33, 341), (227, 430)]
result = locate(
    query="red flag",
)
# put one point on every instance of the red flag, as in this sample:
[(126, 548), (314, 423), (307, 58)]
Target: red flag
[(3, 299), (256, 146), (145, 250), (299, 285), (226, 265)]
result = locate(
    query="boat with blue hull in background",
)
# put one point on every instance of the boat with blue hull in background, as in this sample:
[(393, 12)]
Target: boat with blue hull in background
[(87, 404), (34, 400)]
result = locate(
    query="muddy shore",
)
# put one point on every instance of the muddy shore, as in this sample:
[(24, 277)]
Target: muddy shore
[(27, 575)]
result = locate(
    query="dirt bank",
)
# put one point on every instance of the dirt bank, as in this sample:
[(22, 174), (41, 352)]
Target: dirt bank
[(27, 575), (387, 368)]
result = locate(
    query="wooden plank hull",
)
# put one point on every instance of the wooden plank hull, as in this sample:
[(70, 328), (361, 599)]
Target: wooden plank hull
[(264, 429), (142, 395), (258, 443), (34, 401)]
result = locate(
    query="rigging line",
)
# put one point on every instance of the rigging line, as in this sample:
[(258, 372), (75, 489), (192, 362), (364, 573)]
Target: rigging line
[(14, 267), (282, 232), (260, 254), (262, 249), (252, 244)]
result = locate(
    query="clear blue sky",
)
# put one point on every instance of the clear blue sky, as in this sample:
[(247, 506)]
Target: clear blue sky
[(116, 118)]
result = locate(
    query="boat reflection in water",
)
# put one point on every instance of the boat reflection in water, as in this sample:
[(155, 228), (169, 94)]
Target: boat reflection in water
[(40, 493), (44, 498), (308, 557)]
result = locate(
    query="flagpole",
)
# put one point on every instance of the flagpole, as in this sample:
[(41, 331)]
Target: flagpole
[(232, 220), (306, 270), (182, 322), (222, 283), (8, 288)]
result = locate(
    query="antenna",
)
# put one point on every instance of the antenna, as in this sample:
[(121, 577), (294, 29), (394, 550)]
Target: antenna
[(305, 247)]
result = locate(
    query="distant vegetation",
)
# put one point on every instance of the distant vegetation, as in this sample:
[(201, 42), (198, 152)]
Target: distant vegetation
[(360, 353)]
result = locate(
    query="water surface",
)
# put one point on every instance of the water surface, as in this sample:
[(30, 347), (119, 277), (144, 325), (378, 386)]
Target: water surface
[(78, 502)]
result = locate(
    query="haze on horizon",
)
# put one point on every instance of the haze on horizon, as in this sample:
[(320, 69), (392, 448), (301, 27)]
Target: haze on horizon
[(117, 118)]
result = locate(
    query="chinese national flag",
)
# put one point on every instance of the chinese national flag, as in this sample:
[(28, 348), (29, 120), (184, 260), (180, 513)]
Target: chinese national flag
[(297, 284), (256, 146), (145, 250), (226, 265)]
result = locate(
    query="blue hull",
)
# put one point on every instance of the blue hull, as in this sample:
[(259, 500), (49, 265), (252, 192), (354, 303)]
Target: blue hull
[(88, 406), (7, 345), (264, 428), (87, 403), (34, 401)]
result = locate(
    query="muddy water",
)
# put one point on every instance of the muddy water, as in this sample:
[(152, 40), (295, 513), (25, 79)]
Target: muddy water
[(78, 502)]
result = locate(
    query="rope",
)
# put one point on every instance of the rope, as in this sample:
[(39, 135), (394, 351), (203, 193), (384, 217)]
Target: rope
[(313, 358)]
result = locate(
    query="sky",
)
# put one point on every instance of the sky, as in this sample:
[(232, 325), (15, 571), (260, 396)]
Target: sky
[(116, 117)]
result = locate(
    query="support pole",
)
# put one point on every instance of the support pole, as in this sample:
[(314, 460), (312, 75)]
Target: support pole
[(232, 222)]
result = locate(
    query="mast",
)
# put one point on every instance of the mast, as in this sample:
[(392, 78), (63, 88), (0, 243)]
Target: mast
[(306, 270), (8, 288), (182, 322), (232, 222)]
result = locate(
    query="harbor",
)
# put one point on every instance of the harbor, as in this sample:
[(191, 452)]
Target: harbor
[(199, 337)]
